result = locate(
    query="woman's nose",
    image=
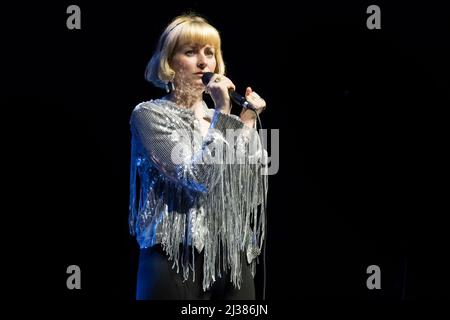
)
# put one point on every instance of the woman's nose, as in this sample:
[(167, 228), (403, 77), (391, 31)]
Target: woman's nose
[(201, 62)]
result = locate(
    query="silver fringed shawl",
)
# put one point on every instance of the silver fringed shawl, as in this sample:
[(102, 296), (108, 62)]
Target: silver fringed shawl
[(207, 193)]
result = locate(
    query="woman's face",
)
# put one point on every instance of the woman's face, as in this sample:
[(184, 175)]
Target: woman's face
[(190, 62)]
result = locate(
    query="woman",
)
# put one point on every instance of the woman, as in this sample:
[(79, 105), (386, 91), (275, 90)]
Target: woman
[(201, 203)]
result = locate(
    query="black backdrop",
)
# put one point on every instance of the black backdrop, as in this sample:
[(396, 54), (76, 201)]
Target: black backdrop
[(362, 142)]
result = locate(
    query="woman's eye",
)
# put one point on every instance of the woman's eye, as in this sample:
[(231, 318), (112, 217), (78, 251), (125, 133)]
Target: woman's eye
[(190, 52)]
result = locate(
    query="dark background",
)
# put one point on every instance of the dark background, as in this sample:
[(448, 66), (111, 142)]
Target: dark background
[(363, 138)]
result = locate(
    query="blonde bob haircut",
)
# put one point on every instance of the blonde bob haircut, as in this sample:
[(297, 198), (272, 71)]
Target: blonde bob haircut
[(184, 29)]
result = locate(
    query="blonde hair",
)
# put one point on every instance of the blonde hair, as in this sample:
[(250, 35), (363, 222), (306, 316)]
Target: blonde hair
[(187, 28)]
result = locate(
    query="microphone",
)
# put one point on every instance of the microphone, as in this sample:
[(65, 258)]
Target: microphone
[(236, 97)]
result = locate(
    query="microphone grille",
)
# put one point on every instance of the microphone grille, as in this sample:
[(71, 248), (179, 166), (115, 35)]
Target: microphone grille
[(207, 77)]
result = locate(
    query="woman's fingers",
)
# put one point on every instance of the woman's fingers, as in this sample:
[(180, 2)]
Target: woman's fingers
[(219, 82), (255, 99), (218, 87), (247, 115)]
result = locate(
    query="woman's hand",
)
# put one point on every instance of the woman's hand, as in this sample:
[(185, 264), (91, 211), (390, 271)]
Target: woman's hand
[(218, 88), (248, 116)]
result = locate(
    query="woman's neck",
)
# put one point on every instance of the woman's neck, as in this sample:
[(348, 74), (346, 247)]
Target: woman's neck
[(186, 99)]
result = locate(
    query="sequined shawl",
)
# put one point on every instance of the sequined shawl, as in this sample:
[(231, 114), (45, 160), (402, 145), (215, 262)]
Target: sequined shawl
[(192, 192)]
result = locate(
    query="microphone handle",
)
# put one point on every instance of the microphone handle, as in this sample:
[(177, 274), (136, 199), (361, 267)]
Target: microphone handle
[(240, 100)]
